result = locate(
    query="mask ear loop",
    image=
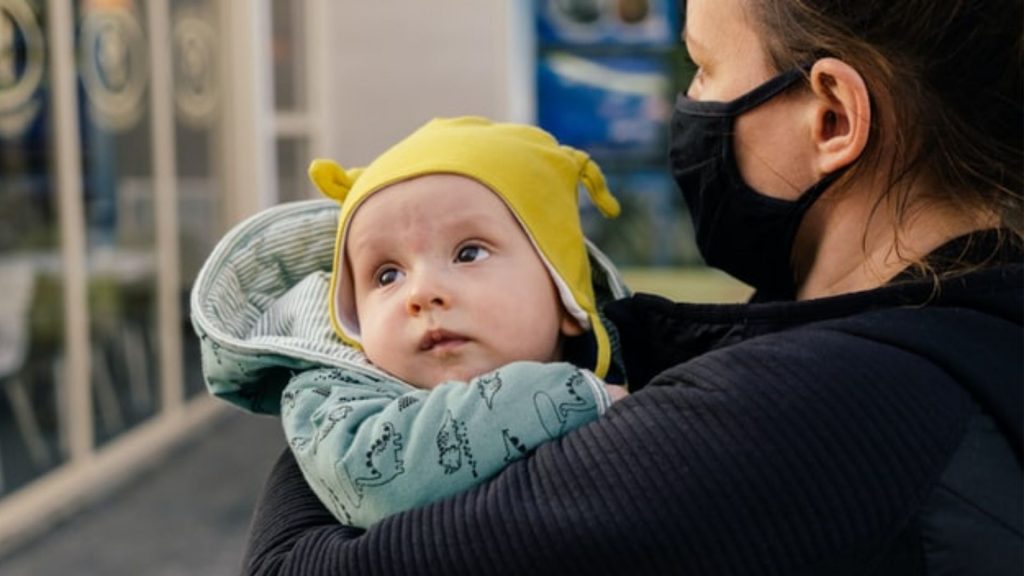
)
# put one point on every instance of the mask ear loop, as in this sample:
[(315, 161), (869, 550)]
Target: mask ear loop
[(593, 180), (331, 179)]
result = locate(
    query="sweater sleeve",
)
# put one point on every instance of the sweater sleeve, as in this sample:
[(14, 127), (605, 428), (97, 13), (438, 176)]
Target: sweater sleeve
[(371, 447), (799, 456)]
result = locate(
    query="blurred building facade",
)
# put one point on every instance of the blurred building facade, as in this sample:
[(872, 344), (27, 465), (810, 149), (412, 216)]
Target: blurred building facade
[(133, 134)]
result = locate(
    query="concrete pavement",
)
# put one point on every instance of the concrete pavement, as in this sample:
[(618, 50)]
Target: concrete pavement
[(187, 515)]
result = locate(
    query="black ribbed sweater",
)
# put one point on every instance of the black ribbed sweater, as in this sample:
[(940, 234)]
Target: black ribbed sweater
[(813, 437)]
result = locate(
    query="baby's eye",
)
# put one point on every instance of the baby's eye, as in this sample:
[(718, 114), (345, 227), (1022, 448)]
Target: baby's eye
[(386, 276), (471, 253)]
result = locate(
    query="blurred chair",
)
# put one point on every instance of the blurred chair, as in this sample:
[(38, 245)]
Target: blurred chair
[(17, 285)]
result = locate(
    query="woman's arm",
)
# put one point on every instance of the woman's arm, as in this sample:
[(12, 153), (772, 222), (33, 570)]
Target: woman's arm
[(288, 512), (750, 460), (372, 447)]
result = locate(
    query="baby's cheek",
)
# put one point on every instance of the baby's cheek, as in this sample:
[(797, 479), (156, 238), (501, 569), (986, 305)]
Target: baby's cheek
[(381, 354)]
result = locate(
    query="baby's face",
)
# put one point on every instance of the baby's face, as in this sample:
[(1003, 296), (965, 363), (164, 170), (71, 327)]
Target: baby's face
[(447, 284)]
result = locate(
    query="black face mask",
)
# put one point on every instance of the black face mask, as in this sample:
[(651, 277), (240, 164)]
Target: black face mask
[(740, 231)]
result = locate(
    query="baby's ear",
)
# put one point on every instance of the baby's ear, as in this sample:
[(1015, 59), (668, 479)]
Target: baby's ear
[(570, 326), (332, 180)]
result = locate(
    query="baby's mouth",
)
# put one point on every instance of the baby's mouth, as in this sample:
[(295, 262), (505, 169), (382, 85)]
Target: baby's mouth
[(441, 339)]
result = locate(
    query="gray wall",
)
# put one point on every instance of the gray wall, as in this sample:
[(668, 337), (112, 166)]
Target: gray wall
[(395, 64)]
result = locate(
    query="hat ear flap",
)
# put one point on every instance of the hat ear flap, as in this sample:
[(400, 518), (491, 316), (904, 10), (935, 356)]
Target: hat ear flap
[(331, 179), (597, 187)]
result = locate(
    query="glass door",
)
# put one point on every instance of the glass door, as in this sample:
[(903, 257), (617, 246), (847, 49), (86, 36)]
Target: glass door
[(32, 328)]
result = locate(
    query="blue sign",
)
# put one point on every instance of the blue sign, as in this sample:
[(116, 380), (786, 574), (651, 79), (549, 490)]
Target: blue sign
[(652, 23), (610, 106)]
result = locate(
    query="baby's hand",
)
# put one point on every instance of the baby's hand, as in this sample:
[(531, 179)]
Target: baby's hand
[(616, 392)]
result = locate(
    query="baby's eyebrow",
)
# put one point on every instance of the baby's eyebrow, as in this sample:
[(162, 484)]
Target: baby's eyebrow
[(367, 240), (362, 252)]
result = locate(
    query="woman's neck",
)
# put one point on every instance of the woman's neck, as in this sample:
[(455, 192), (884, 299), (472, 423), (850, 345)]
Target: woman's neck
[(834, 255)]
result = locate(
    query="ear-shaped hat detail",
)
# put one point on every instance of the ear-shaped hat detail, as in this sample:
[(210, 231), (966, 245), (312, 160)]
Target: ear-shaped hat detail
[(332, 180), (593, 180)]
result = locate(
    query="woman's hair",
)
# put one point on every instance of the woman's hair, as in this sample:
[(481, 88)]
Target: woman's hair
[(945, 82)]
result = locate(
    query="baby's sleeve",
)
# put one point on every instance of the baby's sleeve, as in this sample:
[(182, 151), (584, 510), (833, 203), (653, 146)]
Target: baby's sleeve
[(371, 447)]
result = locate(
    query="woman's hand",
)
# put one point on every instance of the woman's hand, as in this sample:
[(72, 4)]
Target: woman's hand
[(616, 392)]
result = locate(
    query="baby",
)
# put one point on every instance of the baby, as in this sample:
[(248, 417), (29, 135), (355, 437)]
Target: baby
[(460, 269)]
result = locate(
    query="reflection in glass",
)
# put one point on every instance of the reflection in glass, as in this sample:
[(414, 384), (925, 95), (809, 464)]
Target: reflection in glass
[(31, 319), (292, 161), (287, 55), (200, 189), (118, 181)]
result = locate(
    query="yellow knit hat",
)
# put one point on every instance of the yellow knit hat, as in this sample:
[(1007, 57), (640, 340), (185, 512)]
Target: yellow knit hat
[(537, 178)]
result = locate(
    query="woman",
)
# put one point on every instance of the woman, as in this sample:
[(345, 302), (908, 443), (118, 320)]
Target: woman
[(859, 163)]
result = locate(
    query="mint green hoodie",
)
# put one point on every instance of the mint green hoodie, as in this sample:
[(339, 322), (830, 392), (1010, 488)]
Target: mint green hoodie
[(369, 445)]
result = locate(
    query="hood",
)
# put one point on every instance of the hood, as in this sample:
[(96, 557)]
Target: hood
[(259, 305)]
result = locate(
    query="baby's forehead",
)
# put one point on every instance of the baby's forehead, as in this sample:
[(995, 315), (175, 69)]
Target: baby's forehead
[(430, 206), (432, 188), (434, 195)]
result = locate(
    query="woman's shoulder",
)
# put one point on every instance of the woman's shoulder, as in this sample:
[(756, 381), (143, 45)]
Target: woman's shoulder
[(932, 366), (657, 334), (828, 356)]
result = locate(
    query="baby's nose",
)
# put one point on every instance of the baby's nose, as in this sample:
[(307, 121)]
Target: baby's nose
[(426, 292)]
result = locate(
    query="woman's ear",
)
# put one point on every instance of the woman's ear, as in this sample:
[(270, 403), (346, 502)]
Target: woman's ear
[(843, 115)]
